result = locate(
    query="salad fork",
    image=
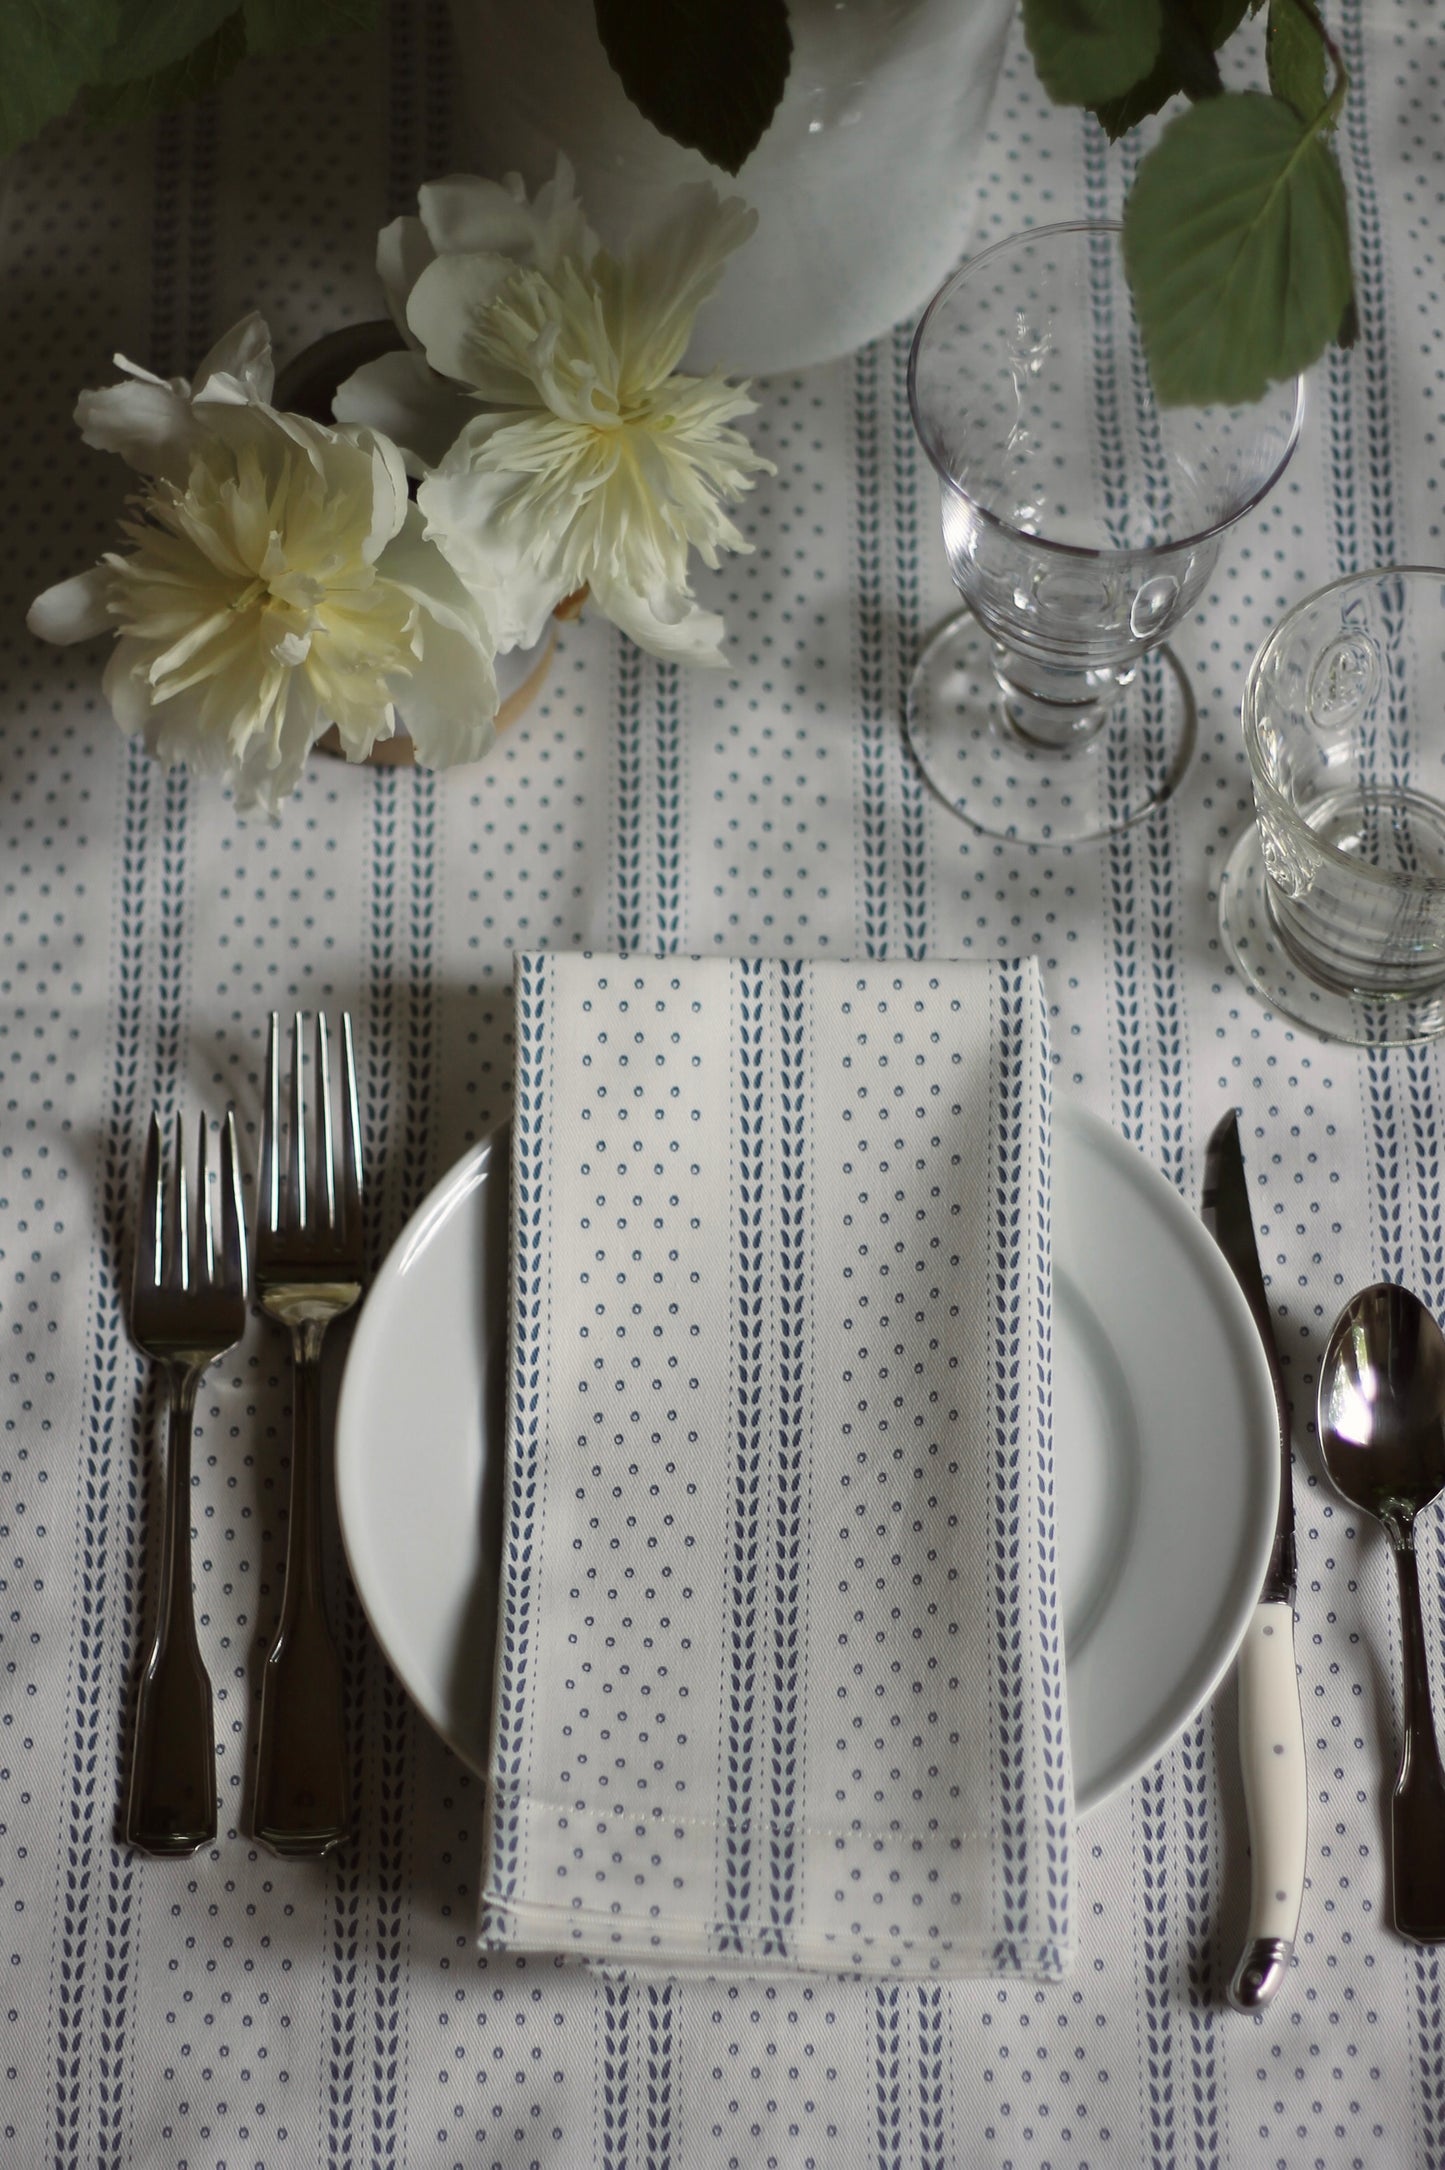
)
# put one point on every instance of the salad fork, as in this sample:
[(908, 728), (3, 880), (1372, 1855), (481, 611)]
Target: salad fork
[(308, 1272), (188, 1306)]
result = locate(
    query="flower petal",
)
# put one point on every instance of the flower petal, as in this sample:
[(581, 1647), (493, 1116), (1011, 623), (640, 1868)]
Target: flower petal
[(403, 252), (518, 590), (672, 626), (465, 216), (450, 293), (420, 567), (150, 425), (239, 369), (449, 704), (401, 396), (75, 609), (668, 273)]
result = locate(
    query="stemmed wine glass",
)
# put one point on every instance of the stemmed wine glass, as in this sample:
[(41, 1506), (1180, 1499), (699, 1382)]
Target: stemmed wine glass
[(1081, 520)]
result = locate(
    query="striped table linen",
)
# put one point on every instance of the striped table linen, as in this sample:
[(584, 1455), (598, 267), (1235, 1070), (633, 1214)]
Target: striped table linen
[(780, 1675)]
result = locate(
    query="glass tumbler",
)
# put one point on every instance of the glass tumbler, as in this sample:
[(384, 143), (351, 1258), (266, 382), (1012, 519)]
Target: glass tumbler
[(1332, 904)]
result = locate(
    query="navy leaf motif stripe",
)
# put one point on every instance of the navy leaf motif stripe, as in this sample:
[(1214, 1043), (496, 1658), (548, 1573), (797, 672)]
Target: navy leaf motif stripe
[(1154, 1944), (361, 1667), (659, 2134), (933, 2088), (889, 2088), (94, 1779), (402, 1007), (659, 2137), (1371, 361), (92, 2131), (790, 1420), (871, 678), (745, 1561), (904, 550), (394, 1726), (1054, 1898), (1012, 1437), (1150, 1071), (614, 2080), (525, 1390), (669, 861), (629, 797), (1168, 1066)]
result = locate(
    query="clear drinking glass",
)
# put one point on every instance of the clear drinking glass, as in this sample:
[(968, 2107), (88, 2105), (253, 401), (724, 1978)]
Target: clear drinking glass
[(1333, 902), (1082, 521)]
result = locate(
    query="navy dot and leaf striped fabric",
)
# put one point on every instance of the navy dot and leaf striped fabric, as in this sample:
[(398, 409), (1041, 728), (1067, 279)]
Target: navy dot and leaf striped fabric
[(234, 2009), (779, 1679)]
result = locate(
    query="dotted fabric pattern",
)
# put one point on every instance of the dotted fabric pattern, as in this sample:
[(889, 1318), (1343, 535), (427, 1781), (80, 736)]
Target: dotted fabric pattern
[(234, 2009)]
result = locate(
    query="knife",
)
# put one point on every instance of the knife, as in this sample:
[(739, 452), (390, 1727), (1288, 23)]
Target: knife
[(1271, 1729)]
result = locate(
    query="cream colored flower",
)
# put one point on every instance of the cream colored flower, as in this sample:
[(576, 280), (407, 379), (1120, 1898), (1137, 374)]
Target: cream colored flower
[(278, 580), (592, 463), (461, 215)]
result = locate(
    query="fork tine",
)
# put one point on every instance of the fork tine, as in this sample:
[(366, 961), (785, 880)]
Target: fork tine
[(324, 1174), (206, 1259), (350, 1136), (233, 1227), (176, 1245), (270, 1163), (294, 1204), (152, 1207)]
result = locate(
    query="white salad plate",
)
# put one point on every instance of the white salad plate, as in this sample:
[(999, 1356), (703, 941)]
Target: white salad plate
[(1166, 1455)]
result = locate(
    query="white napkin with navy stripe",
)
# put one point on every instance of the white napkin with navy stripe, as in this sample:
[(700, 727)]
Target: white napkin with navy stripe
[(780, 1675)]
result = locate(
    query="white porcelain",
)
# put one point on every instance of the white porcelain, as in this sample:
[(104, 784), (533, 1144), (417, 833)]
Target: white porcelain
[(1166, 1453), (861, 181)]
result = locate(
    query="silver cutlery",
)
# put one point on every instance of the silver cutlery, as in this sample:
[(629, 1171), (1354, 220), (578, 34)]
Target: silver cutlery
[(308, 1272), (1271, 1729), (188, 1306), (1382, 1436)]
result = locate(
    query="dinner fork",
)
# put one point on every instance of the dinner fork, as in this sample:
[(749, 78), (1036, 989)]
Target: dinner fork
[(308, 1272), (188, 1306)]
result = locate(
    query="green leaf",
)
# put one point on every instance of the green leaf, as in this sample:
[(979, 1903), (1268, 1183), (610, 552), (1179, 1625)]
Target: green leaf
[(275, 26), (1237, 242), (1086, 51), (1192, 33), (117, 105), (152, 35), (708, 73), (1297, 58), (46, 52)]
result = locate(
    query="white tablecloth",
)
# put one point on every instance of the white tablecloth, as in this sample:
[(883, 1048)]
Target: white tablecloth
[(234, 2009)]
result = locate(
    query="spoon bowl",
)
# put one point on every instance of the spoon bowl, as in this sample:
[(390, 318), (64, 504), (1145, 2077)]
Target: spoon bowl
[(1382, 1436), (1382, 1403)]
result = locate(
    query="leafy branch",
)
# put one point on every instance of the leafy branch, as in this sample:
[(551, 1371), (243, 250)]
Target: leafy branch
[(1236, 230), (123, 59)]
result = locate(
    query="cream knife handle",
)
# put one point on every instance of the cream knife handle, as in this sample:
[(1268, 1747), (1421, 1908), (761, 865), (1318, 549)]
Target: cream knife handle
[(1272, 1755)]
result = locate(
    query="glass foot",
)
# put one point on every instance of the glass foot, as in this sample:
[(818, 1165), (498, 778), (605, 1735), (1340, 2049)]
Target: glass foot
[(1256, 949), (1002, 786)]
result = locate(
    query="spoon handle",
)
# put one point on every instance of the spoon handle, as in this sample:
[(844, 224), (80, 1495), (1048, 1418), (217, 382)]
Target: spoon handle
[(1418, 1808)]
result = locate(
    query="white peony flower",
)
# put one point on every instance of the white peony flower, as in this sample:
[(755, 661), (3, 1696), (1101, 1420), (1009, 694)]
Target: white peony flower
[(278, 581), (461, 215), (592, 465)]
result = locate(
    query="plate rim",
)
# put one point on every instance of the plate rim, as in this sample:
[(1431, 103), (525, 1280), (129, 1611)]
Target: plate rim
[(1126, 1163)]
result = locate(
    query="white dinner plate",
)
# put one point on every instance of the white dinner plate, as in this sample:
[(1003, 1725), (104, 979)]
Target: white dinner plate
[(1165, 1452)]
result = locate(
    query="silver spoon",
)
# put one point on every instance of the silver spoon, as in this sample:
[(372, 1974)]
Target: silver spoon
[(1382, 1435)]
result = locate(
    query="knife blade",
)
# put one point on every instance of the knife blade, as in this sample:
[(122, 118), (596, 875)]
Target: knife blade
[(1271, 1728)]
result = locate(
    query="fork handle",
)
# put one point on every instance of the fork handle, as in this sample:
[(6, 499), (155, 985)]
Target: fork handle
[(302, 1789), (171, 1804)]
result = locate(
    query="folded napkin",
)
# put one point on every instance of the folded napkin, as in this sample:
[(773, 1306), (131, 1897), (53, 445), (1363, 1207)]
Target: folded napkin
[(779, 1676)]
